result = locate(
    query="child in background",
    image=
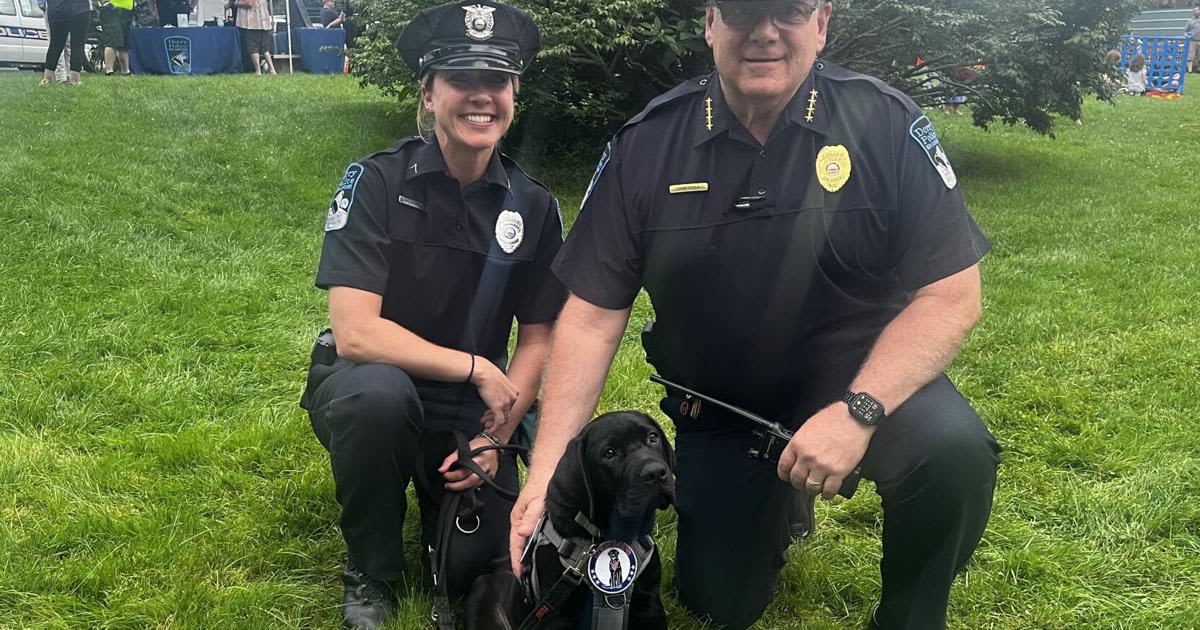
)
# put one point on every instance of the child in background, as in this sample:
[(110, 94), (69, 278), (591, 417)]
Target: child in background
[(1136, 76), (1113, 75)]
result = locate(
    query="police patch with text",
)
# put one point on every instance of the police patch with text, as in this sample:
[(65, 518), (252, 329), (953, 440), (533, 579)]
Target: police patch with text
[(922, 131), (339, 208)]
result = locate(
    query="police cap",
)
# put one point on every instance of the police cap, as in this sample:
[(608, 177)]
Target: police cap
[(475, 34)]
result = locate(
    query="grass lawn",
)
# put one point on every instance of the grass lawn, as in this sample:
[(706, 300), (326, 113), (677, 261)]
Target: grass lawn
[(158, 238)]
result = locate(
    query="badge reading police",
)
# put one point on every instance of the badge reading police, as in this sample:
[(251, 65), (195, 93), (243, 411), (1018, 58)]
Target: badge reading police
[(922, 131), (833, 167), (479, 21), (339, 208), (510, 231), (612, 567)]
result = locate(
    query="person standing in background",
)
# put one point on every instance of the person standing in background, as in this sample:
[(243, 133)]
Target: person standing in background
[(66, 18), (145, 13), (211, 12), (330, 16), (1193, 29), (116, 20), (60, 71), (170, 10), (255, 22)]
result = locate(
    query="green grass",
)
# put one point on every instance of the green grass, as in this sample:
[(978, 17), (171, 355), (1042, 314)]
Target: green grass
[(158, 238)]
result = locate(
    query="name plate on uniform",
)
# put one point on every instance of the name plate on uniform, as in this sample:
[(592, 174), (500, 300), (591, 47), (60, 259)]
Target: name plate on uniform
[(688, 188)]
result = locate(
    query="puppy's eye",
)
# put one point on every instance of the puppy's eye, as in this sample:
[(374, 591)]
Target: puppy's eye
[(652, 439), (609, 453)]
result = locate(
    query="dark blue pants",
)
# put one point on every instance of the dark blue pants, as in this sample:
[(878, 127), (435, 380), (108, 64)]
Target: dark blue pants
[(934, 466), (379, 426)]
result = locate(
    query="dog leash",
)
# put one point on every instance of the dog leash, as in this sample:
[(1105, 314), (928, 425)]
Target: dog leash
[(773, 437), (451, 515)]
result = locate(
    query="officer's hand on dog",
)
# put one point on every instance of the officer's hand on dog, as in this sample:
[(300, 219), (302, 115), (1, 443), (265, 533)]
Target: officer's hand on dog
[(523, 520), (496, 390), (461, 479), (825, 449)]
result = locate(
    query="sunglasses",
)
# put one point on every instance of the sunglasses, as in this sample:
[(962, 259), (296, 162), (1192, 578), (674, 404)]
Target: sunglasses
[(744, 16)]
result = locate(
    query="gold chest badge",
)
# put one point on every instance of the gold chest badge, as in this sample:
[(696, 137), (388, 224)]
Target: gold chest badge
[(833, 167)]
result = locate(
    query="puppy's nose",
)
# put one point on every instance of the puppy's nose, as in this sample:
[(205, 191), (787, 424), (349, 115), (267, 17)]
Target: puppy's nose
[(654, 473)]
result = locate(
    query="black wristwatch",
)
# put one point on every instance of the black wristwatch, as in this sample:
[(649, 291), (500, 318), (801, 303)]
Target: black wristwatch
[(864, 407)]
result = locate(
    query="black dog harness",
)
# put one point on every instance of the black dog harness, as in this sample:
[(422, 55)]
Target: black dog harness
[(609, 568)]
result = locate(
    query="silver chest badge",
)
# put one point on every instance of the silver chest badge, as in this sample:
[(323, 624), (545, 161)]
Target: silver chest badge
[(479, 21), (510, 231)]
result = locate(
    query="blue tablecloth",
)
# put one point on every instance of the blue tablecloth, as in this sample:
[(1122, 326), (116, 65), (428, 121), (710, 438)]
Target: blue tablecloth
[(320, 49), (191, 50)]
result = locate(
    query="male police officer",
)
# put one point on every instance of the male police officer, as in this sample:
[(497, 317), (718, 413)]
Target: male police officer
[(805, 244)]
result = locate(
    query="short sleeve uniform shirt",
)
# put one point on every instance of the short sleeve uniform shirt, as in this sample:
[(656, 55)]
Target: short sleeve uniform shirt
[(772, 269), (454, 264)]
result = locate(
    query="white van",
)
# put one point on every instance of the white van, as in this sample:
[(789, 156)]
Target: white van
[(23, 34)]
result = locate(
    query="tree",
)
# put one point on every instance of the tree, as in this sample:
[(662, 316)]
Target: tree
[(1020, 61), (1028, 59)]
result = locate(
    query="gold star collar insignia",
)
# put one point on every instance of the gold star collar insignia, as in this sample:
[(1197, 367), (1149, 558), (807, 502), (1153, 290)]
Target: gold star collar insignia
[(812, 106), (708, 114)]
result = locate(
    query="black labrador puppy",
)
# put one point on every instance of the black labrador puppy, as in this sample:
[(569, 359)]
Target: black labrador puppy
[(616, 473)]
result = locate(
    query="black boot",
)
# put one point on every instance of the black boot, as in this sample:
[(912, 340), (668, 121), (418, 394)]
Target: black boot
[(367, 604)]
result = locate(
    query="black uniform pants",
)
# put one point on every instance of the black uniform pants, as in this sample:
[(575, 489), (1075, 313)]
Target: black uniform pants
[(379, 426), (934, 465)]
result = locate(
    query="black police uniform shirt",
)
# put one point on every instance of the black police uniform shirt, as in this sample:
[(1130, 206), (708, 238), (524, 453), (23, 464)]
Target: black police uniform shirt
[(772, 269), (454, 264)]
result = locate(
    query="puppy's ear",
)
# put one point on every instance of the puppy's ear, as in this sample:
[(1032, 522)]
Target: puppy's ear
[(665, 444), (570, 486)]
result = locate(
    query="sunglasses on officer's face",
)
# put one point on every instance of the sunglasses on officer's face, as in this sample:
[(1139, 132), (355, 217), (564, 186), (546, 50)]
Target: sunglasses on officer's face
[(744, 16)]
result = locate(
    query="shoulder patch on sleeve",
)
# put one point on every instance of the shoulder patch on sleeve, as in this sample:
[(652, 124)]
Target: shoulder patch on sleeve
[(562, 227), (339, 208), (596, 176), (922, 131)]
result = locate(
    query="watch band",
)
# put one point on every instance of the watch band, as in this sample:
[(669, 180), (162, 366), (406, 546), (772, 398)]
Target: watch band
[(864, 407)]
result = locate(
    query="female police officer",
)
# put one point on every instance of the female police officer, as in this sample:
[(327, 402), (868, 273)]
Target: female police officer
[(431, 248)]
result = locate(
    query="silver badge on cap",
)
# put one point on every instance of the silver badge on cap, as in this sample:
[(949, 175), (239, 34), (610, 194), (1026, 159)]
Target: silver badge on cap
[(479, 21), (510, 231)]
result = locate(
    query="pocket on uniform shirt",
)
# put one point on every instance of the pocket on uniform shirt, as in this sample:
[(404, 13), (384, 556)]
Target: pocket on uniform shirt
[(856, 241)]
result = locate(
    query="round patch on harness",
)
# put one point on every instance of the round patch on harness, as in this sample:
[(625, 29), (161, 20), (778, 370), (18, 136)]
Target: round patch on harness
[(613, 567)]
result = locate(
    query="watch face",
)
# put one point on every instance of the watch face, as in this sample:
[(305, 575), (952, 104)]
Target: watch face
[(865, 408)]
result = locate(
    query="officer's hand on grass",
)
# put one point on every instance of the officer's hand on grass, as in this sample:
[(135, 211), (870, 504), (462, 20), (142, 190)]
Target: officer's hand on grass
[(524, 517), (825, 449), (461, 479), (497, 392)]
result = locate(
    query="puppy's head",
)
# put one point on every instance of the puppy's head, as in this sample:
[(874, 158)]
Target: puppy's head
[(620, 465)]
